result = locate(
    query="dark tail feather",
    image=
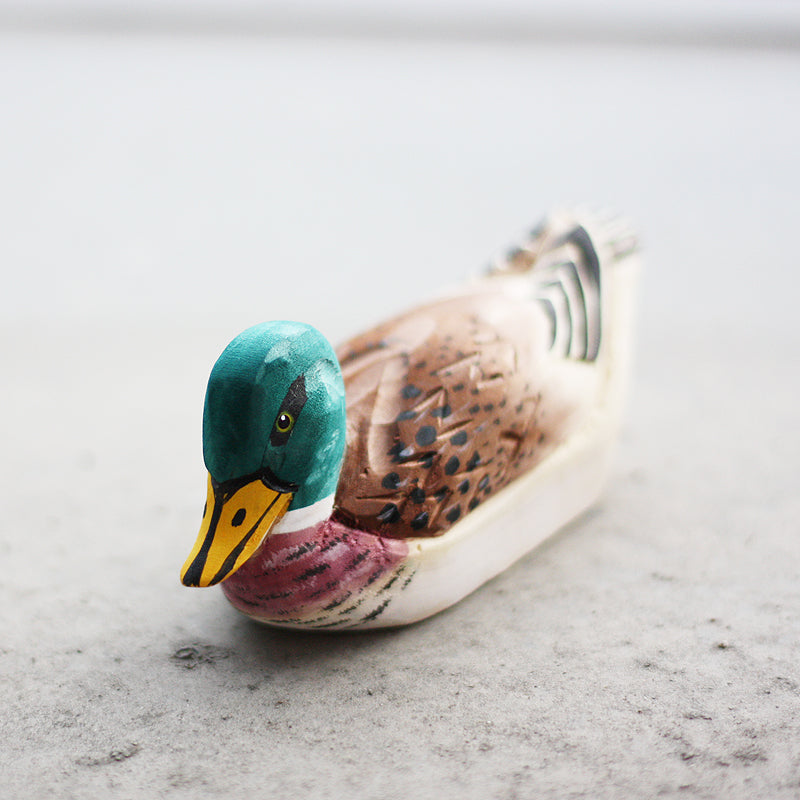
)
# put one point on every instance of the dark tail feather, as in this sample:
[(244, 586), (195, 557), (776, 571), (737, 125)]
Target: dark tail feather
[(565, 262)]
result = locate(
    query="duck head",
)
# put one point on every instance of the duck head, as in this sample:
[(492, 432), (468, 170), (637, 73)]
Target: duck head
[(273, 441)]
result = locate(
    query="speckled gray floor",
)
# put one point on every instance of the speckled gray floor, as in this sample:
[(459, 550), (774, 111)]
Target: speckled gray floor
[(651, 648)]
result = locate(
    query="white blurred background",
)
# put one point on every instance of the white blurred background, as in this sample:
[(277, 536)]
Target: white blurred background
[(181, 158)]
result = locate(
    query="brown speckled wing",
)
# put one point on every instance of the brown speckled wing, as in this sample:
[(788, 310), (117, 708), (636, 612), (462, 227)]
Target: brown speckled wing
[(445, 406)]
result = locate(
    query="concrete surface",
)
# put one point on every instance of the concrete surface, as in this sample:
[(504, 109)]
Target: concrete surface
[(157, 193)]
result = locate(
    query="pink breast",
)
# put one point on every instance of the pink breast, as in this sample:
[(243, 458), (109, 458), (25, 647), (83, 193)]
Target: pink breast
[(329, 575)]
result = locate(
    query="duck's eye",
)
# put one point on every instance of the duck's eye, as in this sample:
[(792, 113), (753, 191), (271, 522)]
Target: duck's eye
[(284, 423), (288, 411)]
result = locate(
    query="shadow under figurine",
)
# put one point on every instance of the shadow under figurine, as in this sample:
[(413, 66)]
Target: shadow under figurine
[(381, 483)]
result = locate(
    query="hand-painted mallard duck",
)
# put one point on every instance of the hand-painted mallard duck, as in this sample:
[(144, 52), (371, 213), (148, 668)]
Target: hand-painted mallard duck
[(381, 483)]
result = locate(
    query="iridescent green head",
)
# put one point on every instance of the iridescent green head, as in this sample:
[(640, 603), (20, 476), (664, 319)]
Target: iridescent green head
[(275, 403), (273, 440)]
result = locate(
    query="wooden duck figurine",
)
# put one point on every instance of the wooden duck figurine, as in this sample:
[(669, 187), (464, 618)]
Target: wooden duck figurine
[(380, 484)]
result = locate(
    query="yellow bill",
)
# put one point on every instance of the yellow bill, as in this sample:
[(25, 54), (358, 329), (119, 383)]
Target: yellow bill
[(236, 520)]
